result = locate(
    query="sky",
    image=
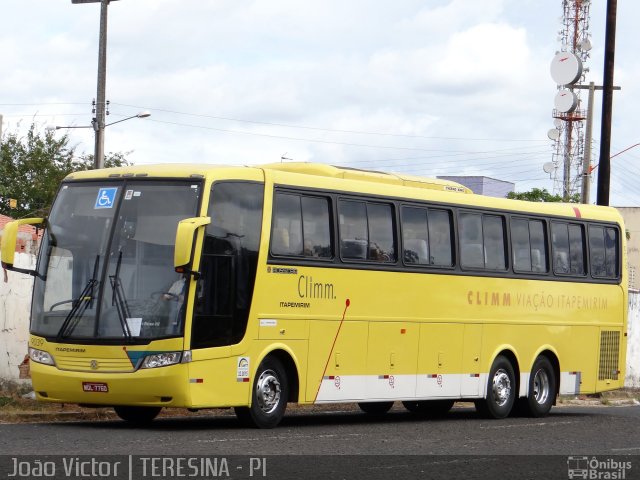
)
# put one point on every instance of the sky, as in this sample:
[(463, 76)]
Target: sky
[(426, 87)]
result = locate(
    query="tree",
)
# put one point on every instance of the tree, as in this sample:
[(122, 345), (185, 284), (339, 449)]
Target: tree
[(32, 167), (538, 195)]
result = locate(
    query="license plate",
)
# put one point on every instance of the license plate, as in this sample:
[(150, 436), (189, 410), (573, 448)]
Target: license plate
[(95, 387)]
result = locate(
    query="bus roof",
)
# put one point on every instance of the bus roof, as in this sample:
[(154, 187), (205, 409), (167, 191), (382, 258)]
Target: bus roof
[(318, 169), (369, 182), (348, 173)]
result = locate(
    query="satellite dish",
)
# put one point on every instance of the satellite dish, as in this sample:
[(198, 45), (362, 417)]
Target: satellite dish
[(585, 45), (557, 123), (548, 167), (566, 68), (553, 134), (566, 101)]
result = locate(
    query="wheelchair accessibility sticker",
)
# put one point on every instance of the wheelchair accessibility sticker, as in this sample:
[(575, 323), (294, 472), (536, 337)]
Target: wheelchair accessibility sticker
[(106, 197)]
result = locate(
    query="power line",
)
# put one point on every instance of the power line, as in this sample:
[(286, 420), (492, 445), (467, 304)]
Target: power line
[(305, 127), (46, 115), (41, 104), (285, 137)]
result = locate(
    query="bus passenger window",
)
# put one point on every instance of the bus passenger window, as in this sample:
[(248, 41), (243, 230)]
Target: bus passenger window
[(482, 241), (611, 249), (301, 226), (316, 227), (286, 238), (415, 236), (471, 250), (381, 233), (576, 249), (440, 245), (426, 236), (567, 242), (560, 247), (596, 247), (603, 251), (521, 245), (354, 236), (494, 242), (367, 231), (529, 245), (538, 246)]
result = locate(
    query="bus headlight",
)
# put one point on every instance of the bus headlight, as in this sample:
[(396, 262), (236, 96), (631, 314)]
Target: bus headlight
[(39, 356), (161, 359)]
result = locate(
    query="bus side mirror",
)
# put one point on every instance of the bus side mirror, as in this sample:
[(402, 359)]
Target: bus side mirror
[(9, 240), (184, 241)]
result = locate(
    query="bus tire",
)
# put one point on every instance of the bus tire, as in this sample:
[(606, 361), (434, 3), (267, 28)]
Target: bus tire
[(375, 408), (137, 415), (268, 397), (431, 408), (501, 390), (542, 389)]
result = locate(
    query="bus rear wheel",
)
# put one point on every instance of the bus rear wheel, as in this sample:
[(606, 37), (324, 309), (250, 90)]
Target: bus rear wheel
[(137, 415), (268, 398), (542, 389), (375, 408), (501, 390), (431, 408)]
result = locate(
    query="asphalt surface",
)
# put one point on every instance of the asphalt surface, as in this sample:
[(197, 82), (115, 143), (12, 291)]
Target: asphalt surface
[(566, 431), (400, 445)]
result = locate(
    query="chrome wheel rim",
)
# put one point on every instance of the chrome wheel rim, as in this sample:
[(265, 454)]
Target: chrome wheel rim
[(541, 386), (501, 387), (268, 391)]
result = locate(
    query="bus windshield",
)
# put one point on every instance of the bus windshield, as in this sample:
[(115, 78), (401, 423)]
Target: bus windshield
[(106, 265)]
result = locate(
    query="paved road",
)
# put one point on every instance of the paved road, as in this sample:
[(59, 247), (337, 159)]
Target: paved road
[(568, 431)]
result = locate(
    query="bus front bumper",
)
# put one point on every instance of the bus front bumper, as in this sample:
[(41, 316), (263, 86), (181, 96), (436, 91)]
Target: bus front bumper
[(158, 387)]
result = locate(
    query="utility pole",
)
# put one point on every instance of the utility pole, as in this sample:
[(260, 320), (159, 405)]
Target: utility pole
[(0, 128), (98, 122), (604, 174), (588, 134), (586, 161)]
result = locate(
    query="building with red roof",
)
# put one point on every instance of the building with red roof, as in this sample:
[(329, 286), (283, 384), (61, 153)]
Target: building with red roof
[(28, 235)]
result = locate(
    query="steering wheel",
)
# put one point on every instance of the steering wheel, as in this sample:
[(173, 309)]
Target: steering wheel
[(165, 296), (60, 303)]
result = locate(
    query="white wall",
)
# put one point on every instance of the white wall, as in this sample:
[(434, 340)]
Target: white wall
[(15, 301), (632, 378)]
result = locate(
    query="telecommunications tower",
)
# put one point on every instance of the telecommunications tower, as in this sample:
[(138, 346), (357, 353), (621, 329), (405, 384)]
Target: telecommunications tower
[(567, 70)]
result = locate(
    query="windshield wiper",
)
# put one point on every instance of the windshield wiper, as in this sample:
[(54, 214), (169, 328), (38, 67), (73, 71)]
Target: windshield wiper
[(80, 304), (119, 299)]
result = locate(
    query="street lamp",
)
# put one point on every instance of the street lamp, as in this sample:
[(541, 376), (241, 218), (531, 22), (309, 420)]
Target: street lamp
[(143, 114)]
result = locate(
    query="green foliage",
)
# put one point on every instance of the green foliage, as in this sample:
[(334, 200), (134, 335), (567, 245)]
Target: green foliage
[(111, 160), (32, 167), (538, 195)]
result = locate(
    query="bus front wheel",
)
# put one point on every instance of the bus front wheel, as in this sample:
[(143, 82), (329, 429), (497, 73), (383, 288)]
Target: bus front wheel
[(268, 398), (137, 415), (501, 390)]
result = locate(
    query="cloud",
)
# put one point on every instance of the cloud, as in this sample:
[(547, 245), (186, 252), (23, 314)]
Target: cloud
[(451, 85)]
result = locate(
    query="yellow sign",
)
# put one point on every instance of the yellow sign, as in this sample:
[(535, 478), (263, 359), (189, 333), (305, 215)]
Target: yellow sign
[(13, 203)]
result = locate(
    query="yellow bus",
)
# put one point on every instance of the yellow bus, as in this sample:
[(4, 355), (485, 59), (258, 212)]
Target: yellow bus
[(201, 286)]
